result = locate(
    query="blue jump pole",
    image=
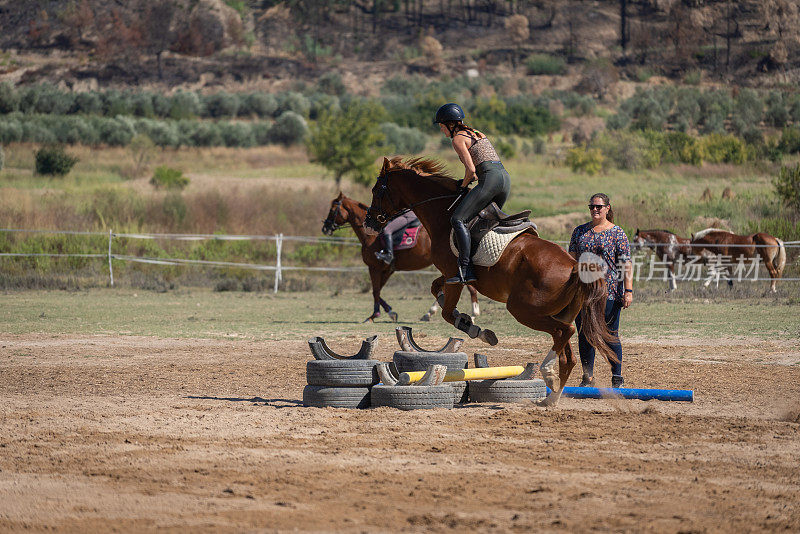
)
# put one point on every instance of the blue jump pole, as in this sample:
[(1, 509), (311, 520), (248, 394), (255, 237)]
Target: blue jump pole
[(685, 395)]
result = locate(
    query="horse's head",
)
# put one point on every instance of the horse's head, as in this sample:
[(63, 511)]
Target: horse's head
[(638, 241), (337, 216), (385, 202)]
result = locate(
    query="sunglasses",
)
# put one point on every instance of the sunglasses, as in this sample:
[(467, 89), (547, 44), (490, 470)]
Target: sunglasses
[(596, 206)]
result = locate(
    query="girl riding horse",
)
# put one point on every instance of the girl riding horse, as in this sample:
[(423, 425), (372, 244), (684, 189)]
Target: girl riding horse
[(481, 162)]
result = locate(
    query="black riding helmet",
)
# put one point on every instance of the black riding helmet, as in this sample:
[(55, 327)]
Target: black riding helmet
[(449, 113)]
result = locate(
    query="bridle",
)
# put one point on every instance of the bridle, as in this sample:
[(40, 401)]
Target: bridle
[(330, 223), (383, 191)]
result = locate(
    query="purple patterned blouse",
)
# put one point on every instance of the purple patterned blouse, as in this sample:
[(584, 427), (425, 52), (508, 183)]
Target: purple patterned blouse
[(612, 245)]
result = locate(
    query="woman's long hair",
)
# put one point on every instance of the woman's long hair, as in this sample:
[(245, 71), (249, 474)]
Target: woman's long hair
[(456, 126), (607, 202)]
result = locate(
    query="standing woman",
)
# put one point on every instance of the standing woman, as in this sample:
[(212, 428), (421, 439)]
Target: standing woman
[(602, 237), (481, 162)]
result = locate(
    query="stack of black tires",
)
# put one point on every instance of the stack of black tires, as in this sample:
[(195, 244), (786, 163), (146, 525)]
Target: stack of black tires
[(407, 361), (339, 383)]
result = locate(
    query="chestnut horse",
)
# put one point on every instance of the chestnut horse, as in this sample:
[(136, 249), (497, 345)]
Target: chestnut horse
[(667, 246), (537, 280), (713, 242), (345, 210)]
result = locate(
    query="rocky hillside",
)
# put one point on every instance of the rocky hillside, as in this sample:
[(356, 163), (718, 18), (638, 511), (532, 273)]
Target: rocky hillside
[(263, 44)]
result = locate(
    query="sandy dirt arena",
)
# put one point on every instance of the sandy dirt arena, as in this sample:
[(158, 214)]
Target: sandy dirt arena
[(101, 433)]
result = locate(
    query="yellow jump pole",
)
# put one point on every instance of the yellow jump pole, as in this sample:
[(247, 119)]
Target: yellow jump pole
[(484, 373)]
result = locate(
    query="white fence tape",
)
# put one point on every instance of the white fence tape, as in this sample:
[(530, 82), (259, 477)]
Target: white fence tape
[(279, 239)]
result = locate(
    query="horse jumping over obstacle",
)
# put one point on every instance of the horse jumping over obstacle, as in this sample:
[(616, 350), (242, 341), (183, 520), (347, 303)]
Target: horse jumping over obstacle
[(537, 280), (667, 246), (713, 242), (345, 210)]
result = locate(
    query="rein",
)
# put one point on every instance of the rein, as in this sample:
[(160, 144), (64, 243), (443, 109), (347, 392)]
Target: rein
[(383, 218)]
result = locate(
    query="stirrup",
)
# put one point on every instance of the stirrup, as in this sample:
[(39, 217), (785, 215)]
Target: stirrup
[(465, 276), (385, 257)]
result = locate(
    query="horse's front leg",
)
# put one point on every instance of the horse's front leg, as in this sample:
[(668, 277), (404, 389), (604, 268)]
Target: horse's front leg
[(448, 298), (376, 278)]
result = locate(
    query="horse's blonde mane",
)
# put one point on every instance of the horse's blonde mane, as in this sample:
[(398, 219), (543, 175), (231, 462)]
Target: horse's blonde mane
[(424, 167), (703, 233)]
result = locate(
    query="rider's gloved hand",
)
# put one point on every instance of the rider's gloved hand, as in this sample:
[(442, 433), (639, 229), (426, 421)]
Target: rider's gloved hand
[(463, 190)]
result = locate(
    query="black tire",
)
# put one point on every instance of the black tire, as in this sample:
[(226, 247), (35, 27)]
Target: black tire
[(460, 393), (342, 373), (413, 397), (507, 390), (328, 397), (419, 361)]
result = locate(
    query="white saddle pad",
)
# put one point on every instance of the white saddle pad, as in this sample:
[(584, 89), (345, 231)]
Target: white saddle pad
[(489, 249)]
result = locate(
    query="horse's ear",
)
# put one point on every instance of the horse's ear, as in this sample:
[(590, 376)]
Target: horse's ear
[(341, 195), (386, 165)]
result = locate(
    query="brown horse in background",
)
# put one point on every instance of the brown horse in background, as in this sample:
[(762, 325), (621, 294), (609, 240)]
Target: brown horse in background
[(537, 280), (713, 242), (667, 246), (345, 210)]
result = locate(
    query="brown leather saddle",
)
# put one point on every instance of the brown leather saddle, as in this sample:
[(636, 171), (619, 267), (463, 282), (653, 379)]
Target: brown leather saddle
[(492, 218)]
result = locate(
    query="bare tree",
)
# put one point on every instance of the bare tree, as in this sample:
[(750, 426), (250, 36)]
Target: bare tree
[(157, 28), (519, 32)]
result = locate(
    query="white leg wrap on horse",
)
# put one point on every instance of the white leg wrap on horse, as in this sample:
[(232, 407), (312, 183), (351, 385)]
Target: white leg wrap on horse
[(475, 309)]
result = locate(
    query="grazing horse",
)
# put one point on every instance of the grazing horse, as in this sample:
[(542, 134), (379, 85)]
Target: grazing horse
[(345, 210), (666, 245), (538, 281), (713, 242)]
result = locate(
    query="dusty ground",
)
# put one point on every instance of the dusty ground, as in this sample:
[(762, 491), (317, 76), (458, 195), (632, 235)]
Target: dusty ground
[(136, 433)]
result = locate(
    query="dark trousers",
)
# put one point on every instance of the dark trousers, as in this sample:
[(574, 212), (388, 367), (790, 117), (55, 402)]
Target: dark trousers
[(587, 351)]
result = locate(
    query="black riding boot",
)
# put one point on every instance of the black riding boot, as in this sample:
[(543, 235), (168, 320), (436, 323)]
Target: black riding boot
[(464, 245), (387, 254)]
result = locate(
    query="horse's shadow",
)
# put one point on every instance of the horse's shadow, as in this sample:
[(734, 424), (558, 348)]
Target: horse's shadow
[(275, 403)]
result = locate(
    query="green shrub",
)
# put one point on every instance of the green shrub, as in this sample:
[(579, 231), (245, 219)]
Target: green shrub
[(790, 141), (36, 132), (168, 178), (539, 146), (581, 159), (331, 83), (222, 105), (236, 134), (89, 103), (683, 148), (626, 150), (10, 131), (719, 148), (693, 77), (259, 104), (162, 133), (184, 105), (402, 140), (117, 131), (545, 64), (161, 105), (9, 99), (777, 113), (142, 105), (505, 148), (618, 121), (787, 186), (322, 103), (206, 134), (72, 130), (294, 102), (53, 160), (116, 103), (260, 131), (288, 129)]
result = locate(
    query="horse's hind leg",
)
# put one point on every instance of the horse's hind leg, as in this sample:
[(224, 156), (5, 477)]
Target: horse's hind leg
[(431, 312), (561, 352)]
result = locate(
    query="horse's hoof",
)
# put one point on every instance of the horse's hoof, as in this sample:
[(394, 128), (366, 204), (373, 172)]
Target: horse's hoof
[(393, 316), (425, 318), (371, 318), (487, 336), (547, 402)]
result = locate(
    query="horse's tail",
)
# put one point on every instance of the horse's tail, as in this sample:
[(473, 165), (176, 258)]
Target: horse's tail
[(776, 253), (593, 317), (781, 263)]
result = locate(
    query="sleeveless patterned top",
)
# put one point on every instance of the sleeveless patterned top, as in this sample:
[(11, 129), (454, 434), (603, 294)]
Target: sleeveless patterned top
[(481, 150)]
